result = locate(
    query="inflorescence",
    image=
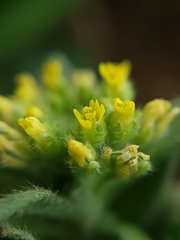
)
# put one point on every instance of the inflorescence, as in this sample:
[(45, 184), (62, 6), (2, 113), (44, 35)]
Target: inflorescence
[(93, 124)]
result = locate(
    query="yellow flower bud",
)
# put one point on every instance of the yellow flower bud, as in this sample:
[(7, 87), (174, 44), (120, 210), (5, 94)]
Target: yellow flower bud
[(34, 111), (26, 89), (79, 152), (115, 74), (124, 110), (34, 128), (157, 115), (52, 74), (165, 120), (156, 109), (90, 115)]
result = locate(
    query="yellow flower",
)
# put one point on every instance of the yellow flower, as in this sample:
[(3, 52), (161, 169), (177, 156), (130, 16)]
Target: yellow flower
[(26, 87), (156, 109), (124, 109), (115, 74), (52, 73), (79, 152), (157, 115), (165, 120), (34, 111), (34, 128), (90, 115)]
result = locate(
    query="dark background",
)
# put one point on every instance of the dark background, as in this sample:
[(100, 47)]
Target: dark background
[(90, 31)]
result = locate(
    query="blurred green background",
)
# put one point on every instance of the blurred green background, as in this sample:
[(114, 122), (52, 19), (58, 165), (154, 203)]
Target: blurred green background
[(89, 31)]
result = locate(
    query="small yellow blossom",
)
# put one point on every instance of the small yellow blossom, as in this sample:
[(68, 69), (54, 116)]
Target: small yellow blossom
[(156, 109), (34, 128), (165, 120), (124, 109), (157, 115), (90, 115), (79, 152), (34, 111), (52, 73), (115, 74), (26, 88)]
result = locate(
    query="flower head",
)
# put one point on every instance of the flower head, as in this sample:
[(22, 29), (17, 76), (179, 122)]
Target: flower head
[(130, 161), (115, 74), (90, 115), (34, 128), (79, 152), (124, 109)]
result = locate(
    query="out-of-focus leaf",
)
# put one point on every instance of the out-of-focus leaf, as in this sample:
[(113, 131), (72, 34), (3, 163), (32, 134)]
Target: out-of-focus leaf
[(23, 21)]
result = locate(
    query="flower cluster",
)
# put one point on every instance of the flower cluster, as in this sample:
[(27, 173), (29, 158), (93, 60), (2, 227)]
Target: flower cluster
[(37, 121)]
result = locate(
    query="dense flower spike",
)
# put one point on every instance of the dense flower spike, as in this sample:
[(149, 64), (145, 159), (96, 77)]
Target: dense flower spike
[(94, 160), (121, 126), (90, 115)]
